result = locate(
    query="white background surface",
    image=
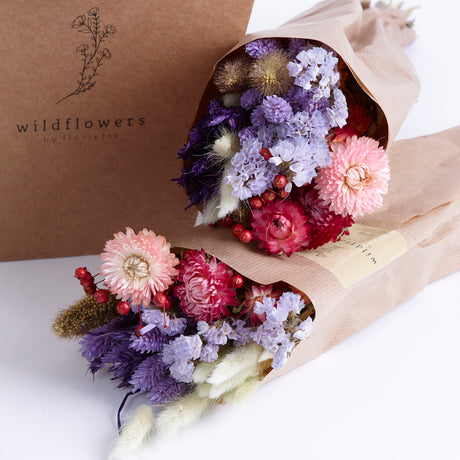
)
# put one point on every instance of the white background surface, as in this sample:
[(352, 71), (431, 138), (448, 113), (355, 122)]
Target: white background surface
[(389, 392)]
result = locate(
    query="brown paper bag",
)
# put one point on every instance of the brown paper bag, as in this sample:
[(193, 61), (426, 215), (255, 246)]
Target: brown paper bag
[(370, 41), (80, 161), (388, 256)]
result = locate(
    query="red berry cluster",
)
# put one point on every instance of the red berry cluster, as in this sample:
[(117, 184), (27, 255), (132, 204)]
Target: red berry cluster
[(90, 287), (256, 202)]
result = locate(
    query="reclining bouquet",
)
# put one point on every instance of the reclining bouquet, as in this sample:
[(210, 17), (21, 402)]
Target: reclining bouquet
[(186, 329)]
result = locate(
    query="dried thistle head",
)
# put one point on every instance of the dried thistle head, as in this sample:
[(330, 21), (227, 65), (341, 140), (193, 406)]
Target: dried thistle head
[(85, 315), (232, 75), (269, 74)]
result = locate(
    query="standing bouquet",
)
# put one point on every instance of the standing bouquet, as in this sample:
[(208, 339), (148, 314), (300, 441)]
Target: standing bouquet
[(288, 146)]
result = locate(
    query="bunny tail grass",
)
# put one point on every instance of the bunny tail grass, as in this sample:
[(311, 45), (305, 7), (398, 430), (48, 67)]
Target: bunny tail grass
[(133, 433), (242, 392), (235, 362), (181, 413)]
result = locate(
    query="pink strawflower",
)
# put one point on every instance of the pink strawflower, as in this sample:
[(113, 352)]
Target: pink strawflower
[(256, 294), (205, 292), (357, 178), (326, 225), (280, 226), (136, 267)]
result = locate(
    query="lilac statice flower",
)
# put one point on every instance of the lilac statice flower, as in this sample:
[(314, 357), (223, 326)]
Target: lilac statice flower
[(276, 334), (302, 331), (149, 372), (247, 134), (166, 390), (258, 117), (298, 98), (261, 47), (249, 174), (174, 325), (315, 69), (338, 113), (308, 124), (180, 354), (215, 336), (241, 333), (250, 99), (276, 109), (150, 342), (300, 158)]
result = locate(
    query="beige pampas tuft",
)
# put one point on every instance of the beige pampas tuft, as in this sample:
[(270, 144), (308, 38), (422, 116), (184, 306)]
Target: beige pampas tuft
[(181, 413), (209, 214), (232, 100), (227, 202), (235, 362), (133, 433), (242, 392), (226, 145)]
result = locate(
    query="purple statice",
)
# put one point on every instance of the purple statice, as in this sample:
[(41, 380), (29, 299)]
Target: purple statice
[(338, 113), (276, 109), (247, 134), (166, 390), (148, 373), (249, 174), (308, 124), (315, 69), (302, 331), (300, 158), (258, 117), (262, 47), (241, 333), (296, 45), (267, 134), (298, 98), (277, 333), (157, 318), (251, 99), (214, 336), (149, 342), (180, 354)]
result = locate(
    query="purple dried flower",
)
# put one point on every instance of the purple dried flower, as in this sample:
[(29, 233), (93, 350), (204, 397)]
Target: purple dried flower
[(261, 47), (179, 355), (122, 361), (250, 99), (276, 109), (150, 342), (258, 117), (167, 390), (174, 325), (296, 45), (148, 373)]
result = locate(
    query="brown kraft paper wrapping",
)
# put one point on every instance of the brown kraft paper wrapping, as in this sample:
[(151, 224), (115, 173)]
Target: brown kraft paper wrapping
[(371, 41), (422, 209), (77, 168)]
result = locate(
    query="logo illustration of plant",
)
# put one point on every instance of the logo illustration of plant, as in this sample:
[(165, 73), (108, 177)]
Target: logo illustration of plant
[(92, 55)]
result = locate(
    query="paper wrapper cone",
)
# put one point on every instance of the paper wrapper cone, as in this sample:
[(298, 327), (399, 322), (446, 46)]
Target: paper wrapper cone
[(370, 41), (388, 256)]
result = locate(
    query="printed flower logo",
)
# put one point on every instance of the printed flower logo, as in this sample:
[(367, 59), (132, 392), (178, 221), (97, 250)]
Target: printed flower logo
[(92, 55)]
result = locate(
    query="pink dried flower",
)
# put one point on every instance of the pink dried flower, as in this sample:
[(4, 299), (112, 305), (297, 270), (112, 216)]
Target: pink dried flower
[(357, 178), (256, 294), (280, 226), (205, 291), (136, 267), (326, 225)]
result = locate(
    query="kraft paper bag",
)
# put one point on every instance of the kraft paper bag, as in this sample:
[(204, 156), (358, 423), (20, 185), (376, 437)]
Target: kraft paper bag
[(96, 98)]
